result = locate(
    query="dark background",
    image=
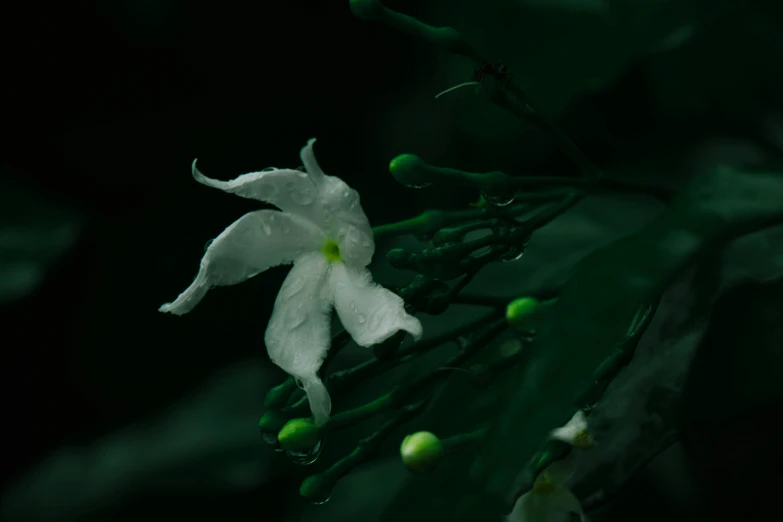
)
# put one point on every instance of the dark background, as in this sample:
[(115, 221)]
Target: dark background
[(105, 104)]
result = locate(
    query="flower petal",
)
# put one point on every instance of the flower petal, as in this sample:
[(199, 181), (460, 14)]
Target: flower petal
[(291, 191), (343, 217), (325, 200), (556, 506), (298, 335), (569, 432), (567, 503), (255, 242), (369, 312)]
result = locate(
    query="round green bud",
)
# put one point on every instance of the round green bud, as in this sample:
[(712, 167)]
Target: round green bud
[(521, 313), (299, 435), (421, 452), (407, 169)]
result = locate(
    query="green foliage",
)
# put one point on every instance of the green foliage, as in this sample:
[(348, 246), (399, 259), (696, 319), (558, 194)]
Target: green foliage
[(572, 341)]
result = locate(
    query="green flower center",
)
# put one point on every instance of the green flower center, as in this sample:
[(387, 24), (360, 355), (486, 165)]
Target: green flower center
[(331, 251)]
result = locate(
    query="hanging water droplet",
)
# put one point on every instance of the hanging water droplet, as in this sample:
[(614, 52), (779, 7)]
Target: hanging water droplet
[(498, 200), (320, 501), (208, 244), (305, 458), (271, 440), (269, 169), (416, 184), (513, 254)]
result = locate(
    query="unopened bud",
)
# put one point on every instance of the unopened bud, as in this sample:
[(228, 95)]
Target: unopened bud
[(421, 452), (299, 435)]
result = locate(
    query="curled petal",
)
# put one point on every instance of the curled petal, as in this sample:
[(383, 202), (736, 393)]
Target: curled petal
[(310, 163), (298, 335), (369, 312), (324, 200), (255, 242), (291, 191), (572, 429)]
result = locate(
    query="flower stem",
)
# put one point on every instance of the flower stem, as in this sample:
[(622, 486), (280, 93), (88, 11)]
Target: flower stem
[(510, 97)]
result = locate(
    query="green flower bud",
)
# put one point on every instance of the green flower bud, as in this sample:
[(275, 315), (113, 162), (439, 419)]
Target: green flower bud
[(299, 435), (521, 314), (314, 488), (421, 452), (408, 170)]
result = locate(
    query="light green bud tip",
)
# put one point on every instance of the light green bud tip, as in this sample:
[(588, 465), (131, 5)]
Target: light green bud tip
[(520, 312), (407, 169), (299, 435), (421, 452)]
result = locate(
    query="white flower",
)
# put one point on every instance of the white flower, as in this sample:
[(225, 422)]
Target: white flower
[(324, 232), (550, 500), (575, 432)]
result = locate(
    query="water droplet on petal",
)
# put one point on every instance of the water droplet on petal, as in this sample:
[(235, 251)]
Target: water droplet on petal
[(498, 200), (208, 244), (320, 501), (266, 227), (269, 169), (361, 318), (305, 458)]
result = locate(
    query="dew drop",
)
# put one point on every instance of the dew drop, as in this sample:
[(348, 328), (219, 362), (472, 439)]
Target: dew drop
[(498, 200), (208, 244), (305, 458), (361, 318), (320, 501), (417, 185), (271, 440), (513, 254), (269, 169)]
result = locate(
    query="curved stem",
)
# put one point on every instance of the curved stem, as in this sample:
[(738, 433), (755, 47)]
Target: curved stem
[(510, 97)]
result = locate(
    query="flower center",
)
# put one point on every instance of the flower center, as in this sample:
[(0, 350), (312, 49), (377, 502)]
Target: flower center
[(331, 251), (543, 485), (583, 440)]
